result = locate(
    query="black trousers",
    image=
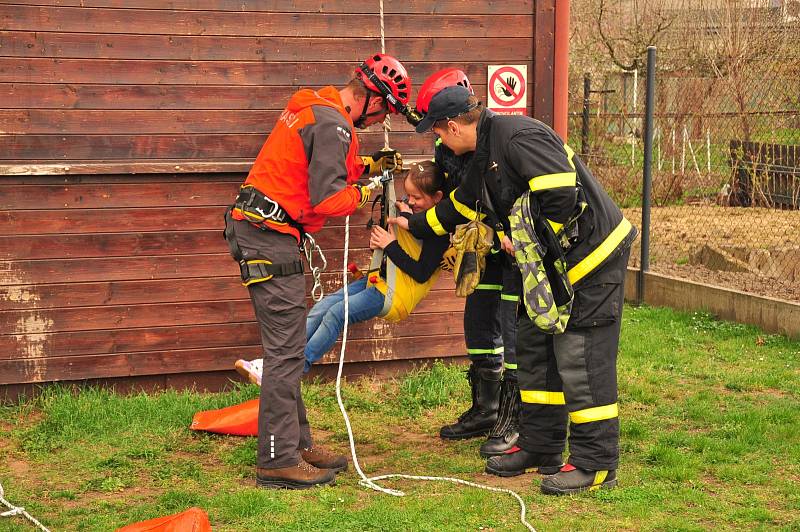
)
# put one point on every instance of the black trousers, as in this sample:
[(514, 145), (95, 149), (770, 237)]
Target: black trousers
[(482, 324), (568, 382)]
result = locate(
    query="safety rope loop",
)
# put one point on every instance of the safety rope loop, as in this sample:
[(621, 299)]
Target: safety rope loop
[(18, 510), (309, 247)]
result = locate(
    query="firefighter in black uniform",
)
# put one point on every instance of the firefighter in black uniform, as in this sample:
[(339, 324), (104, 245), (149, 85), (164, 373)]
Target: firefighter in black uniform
[(489, 311), (566, 380)]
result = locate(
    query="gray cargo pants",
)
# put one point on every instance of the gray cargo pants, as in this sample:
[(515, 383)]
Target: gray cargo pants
[(280, 309)]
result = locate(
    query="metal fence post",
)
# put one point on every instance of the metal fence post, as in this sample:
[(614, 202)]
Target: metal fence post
[(587, 90), (647, 178)]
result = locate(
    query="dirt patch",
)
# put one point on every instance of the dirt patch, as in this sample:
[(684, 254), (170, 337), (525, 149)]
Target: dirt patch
[(752, 250)]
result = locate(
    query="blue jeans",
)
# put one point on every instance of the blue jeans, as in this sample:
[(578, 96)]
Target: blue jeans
[(326, 318)]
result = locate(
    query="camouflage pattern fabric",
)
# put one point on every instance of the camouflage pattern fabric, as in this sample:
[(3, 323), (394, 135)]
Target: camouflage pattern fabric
[(549, 312), (472, 241)]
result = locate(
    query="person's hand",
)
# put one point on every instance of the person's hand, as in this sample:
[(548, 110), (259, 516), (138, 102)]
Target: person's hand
[(380, 237), (384, 159), (402, 206), (400, 221), (507, 245)]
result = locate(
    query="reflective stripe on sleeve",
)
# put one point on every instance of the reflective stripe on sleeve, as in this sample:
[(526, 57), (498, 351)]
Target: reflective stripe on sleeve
[(434, 223), (509, 365), (464, 210), (489, 287), (509, 297), (547, 181), (597, 413)]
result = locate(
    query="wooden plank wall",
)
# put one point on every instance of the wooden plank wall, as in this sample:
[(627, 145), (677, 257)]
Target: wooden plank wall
[(122, 80), (154, 109)]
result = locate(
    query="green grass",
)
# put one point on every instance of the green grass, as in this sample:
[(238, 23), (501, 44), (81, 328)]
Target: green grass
[(710, 439)]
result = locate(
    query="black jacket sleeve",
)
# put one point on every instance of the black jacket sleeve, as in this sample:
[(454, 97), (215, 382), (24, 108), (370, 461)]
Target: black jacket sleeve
[(429, 258), (545, 164)]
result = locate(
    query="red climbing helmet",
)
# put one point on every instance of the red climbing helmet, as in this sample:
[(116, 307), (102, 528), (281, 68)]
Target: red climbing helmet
[(387, 76), (437, 81)]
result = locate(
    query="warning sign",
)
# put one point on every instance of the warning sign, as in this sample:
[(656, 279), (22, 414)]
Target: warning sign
[(507, 88)]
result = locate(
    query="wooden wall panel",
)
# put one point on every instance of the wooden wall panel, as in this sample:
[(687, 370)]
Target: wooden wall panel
[(205, 80), (121, 271), (104, 277)]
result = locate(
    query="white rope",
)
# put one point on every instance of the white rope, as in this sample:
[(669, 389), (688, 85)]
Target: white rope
[(18, 510), (387, 123)]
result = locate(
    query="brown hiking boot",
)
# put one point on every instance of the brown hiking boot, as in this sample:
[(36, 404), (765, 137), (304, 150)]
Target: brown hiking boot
[(323, 459), (296, 477)]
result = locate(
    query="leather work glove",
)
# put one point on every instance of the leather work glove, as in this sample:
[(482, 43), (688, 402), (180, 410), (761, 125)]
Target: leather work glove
[(379, 161), (448, 262), (472, 242), (363, 194)]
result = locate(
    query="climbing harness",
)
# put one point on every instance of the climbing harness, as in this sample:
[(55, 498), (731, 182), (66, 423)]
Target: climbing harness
[(309, 247), (371, 482), (19, 510)]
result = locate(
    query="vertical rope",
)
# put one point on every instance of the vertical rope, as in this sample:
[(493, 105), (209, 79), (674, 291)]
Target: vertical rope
[(387, 123)]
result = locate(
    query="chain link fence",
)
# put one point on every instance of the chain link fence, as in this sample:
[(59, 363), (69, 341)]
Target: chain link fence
[(726, 170)]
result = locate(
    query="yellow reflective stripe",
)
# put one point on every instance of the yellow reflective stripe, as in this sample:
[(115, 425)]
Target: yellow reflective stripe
[(465, 211), (509, 365), (489, 287), (438, 141), (570, 155), (541, 397), (501, 235), (509, 297), (599, 478), (433, 222), (555, 225), (597, 413), (547, 181), (600, 253), (492, 351)]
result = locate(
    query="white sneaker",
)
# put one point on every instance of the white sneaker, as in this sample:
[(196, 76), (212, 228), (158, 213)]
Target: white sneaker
[(251, 369)]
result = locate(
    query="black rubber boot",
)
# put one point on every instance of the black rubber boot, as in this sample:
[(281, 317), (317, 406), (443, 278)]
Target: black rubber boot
[(571, 479), (517, 461), (482, 415), (505, 432)]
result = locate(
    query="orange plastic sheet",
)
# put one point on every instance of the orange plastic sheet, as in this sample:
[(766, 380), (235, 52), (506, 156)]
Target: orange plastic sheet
[(238, 420), (192, 520)]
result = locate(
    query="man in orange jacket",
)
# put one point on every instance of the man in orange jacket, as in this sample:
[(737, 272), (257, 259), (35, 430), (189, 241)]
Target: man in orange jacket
[(306, 171)]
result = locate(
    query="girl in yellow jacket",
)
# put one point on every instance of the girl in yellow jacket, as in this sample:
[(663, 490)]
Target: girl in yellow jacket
[(410, 269)]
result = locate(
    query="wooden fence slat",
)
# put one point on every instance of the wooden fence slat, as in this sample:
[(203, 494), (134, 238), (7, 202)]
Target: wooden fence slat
[(126, 220), (225, 73), (441, 7), (190, 147), (160, 338), (111, 195), (293, 24), (208, 359), (29, 247), (130, 292), (152, 97), (209, 48)]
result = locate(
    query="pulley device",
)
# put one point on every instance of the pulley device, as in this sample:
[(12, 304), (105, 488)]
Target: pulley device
[(386, 199)]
